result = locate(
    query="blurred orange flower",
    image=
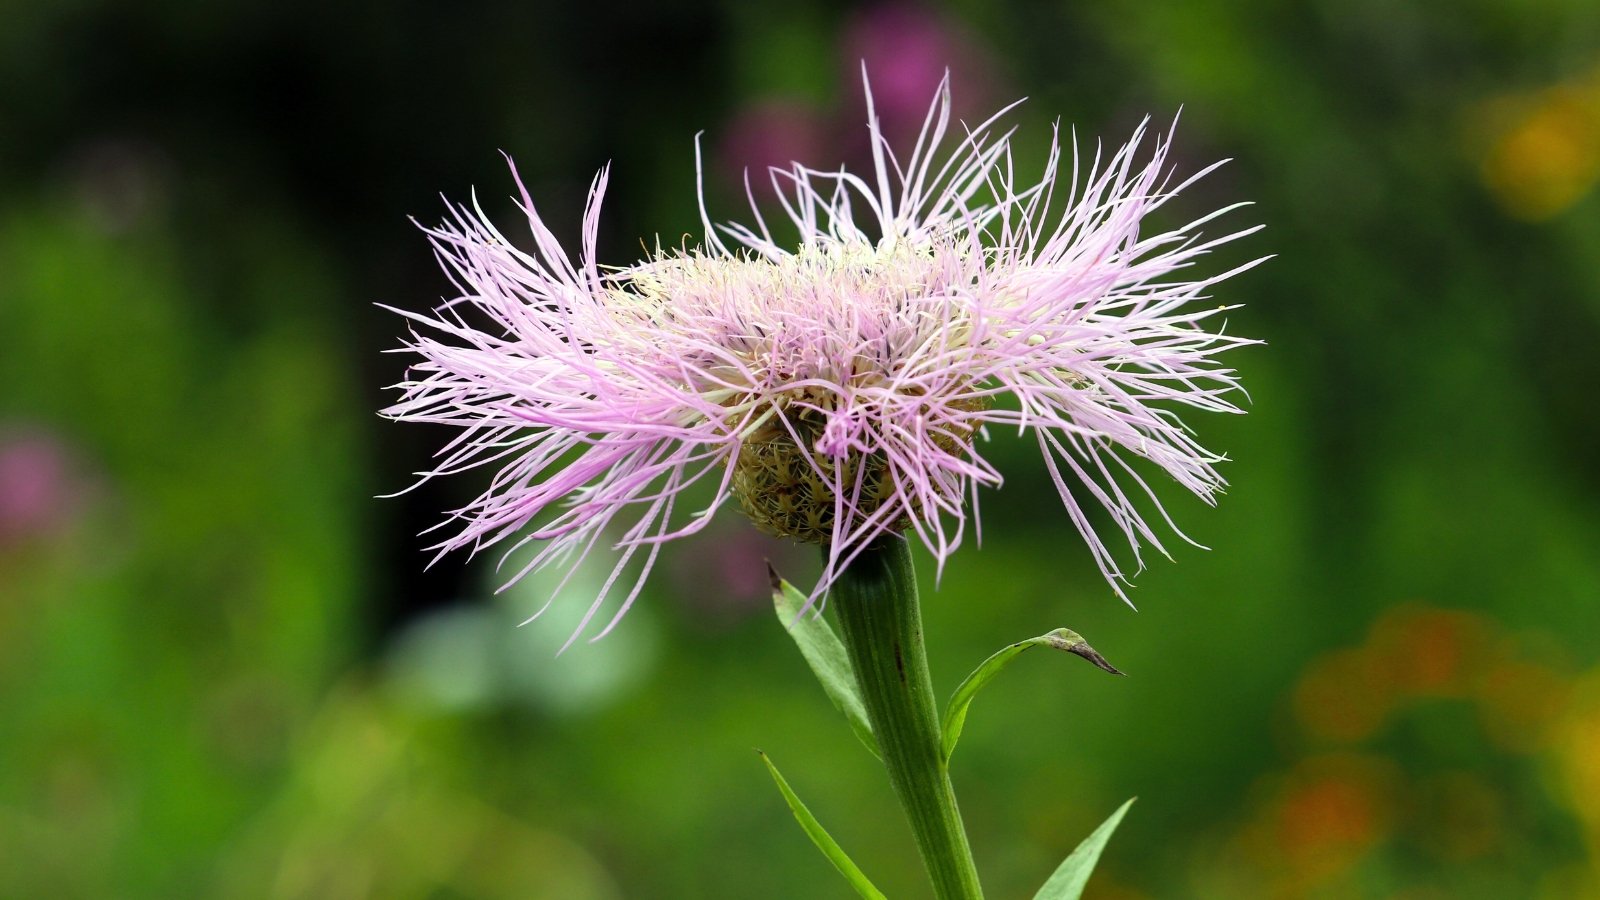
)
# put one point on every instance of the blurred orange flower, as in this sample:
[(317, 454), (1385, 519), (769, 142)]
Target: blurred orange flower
[(1543, 148)]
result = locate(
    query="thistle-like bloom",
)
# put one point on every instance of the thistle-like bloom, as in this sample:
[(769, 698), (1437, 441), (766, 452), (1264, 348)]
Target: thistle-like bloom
[(837, 385)]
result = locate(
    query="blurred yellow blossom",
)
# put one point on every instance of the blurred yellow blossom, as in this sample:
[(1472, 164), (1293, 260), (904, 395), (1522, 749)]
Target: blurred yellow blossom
[(1577, 752), (1542, 152)]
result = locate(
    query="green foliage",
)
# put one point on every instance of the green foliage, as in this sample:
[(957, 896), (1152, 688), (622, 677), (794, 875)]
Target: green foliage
[(1068, 880), (824, 654), (820, 837), (955, 714), (165, 643)]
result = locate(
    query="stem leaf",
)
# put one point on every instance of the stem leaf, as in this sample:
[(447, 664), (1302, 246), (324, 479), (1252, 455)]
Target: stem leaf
[(955, 715), (824, 842), (824, 654), (1067, 882)]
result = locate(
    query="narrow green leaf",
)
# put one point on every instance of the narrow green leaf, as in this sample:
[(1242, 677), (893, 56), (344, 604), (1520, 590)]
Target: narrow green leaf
[(1067, 882), (955, 715), (826, 844), (824, 654)]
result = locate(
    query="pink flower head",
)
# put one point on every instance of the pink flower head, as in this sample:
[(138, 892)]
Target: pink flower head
[(839, 384)]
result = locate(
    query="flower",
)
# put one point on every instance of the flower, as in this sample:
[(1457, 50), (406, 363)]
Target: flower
[(837, 386), (911, 48), (41, 487), (769, 133)]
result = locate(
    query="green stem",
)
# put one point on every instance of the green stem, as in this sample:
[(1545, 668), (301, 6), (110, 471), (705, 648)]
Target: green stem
[(880, 622)]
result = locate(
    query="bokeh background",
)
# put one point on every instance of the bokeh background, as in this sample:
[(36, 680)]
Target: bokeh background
[(224, 671)]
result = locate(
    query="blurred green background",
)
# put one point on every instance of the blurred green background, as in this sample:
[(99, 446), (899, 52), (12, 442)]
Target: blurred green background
[(224, 671)]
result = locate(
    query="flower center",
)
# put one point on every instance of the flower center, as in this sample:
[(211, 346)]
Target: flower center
[(788, 489)]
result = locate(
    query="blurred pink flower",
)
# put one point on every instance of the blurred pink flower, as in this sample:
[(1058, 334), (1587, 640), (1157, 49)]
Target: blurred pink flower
[(38, 488), (837, 390), (908, 48), (723, 578), (768, 134)]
